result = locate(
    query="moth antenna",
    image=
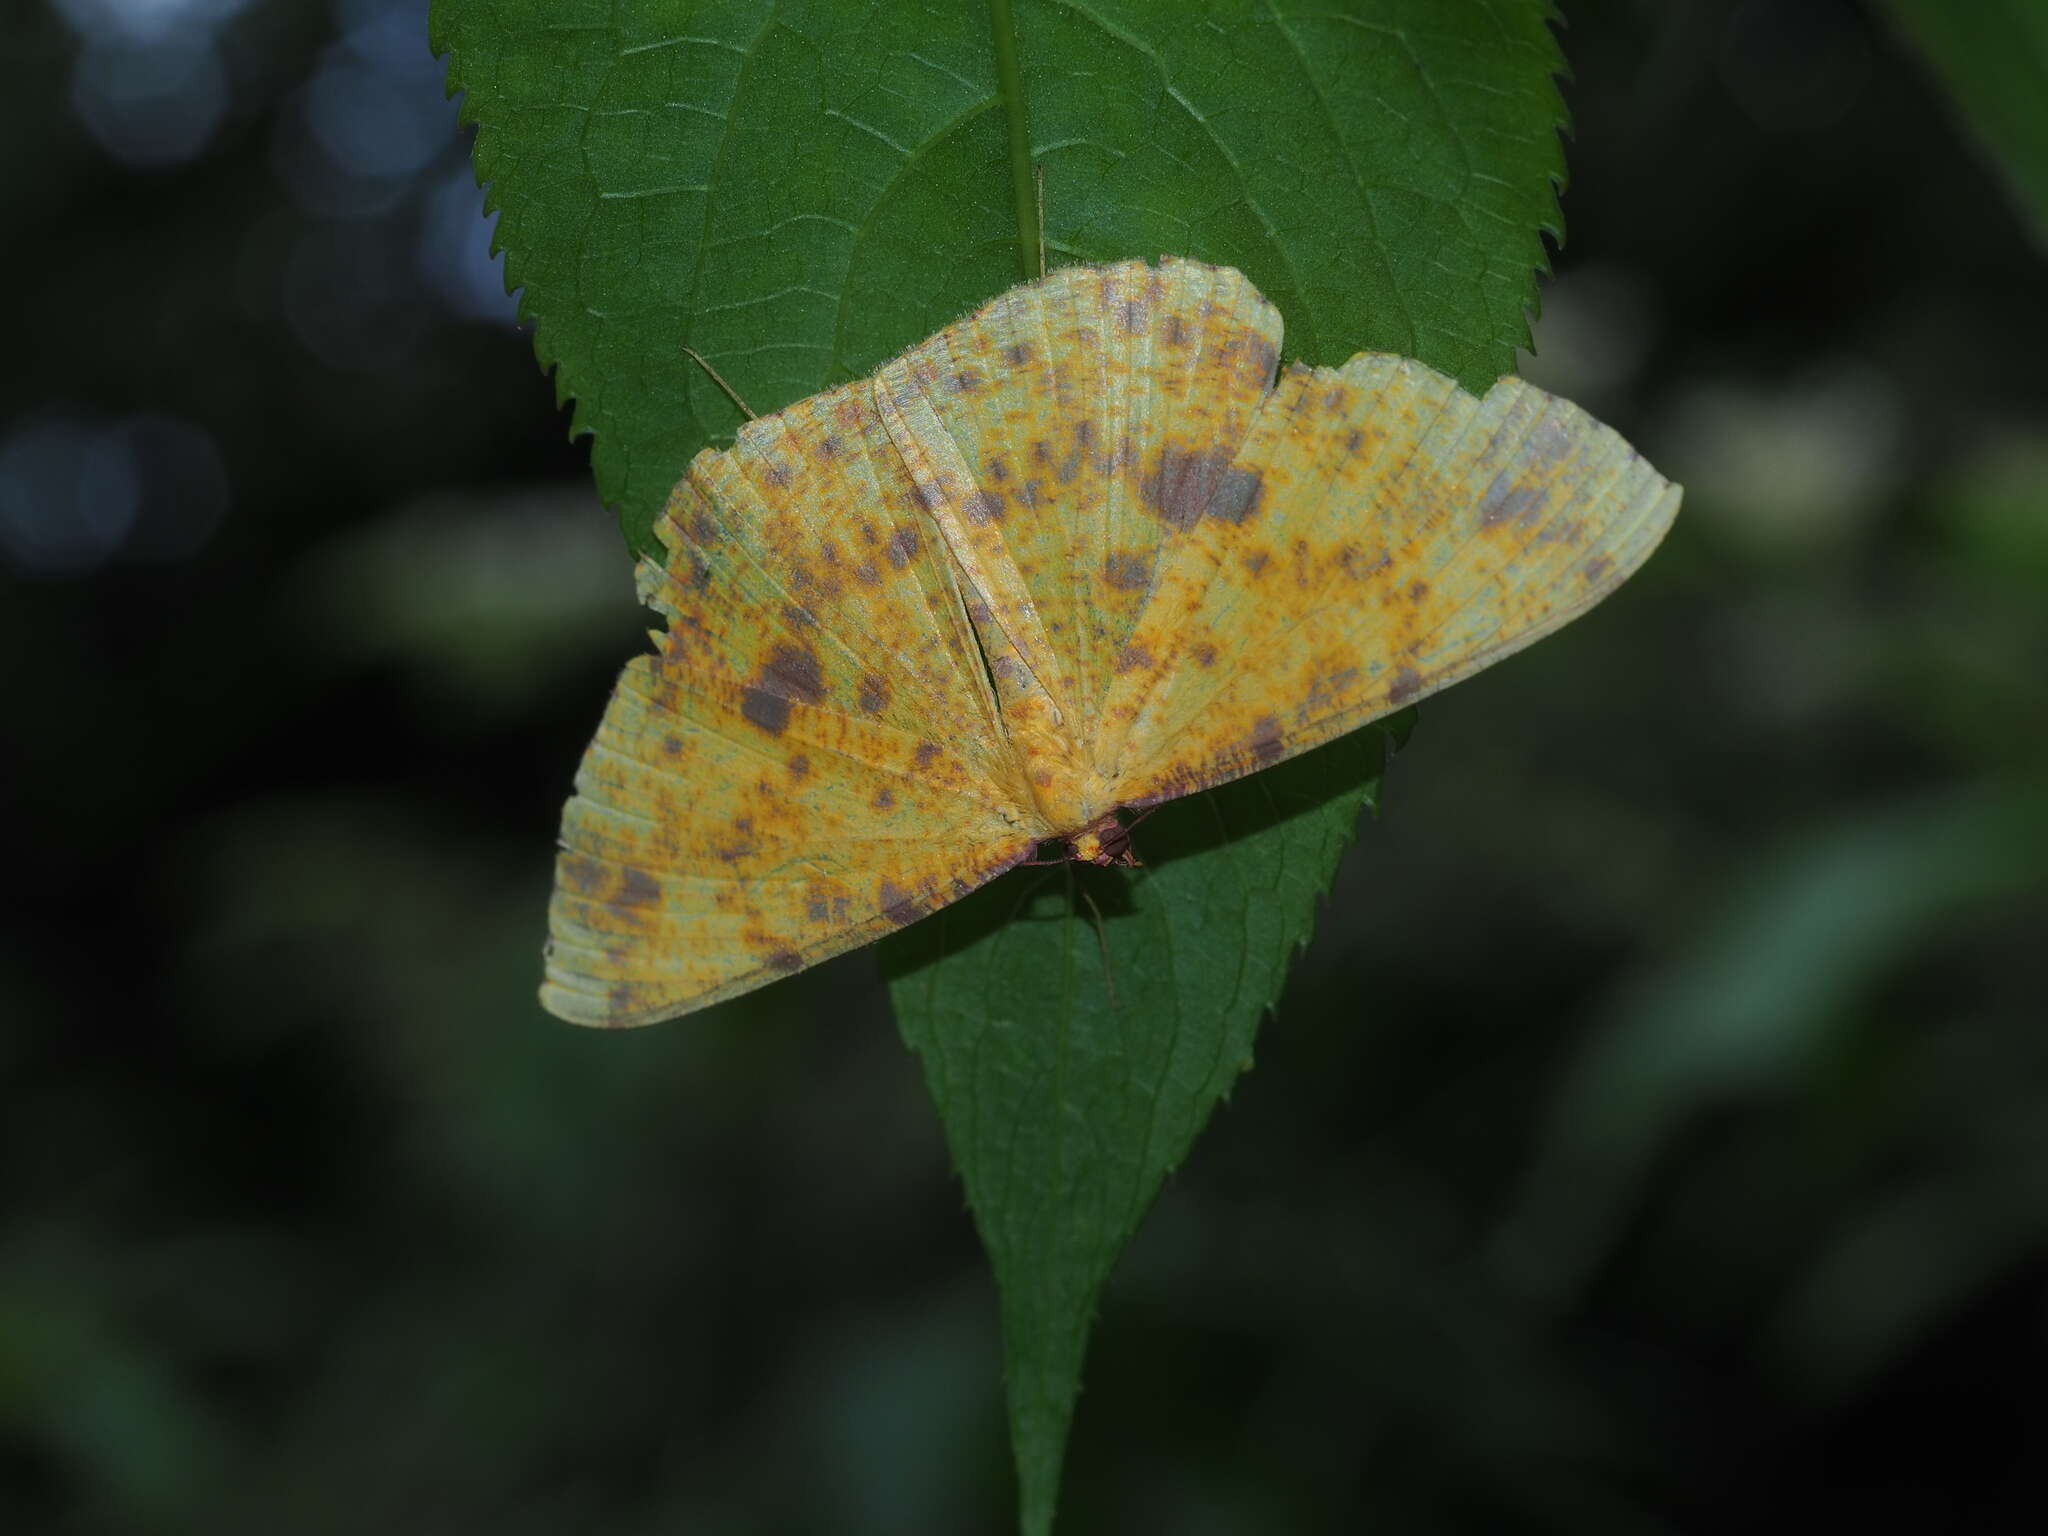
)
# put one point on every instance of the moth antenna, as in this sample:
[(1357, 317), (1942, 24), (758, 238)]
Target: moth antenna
[(731, 393), (1139, 820), (1101, 938), (1063, 857), (1038, 178)]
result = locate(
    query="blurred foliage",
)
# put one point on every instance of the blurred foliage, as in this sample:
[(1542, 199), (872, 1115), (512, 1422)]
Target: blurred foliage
[(313, 1223), (1993, 58)]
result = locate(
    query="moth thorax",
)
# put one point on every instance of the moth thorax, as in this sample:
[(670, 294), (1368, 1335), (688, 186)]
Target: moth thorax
[(1068, 791)]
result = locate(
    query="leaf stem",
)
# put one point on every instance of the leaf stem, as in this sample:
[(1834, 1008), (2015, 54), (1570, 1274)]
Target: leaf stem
[(1023, 188)]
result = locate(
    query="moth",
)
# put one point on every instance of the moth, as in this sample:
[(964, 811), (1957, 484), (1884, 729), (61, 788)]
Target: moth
[(1078, 554)]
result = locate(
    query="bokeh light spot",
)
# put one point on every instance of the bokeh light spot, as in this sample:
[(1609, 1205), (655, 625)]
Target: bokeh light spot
[(151, 105), (75, 494), (455, 255), (68, 496)]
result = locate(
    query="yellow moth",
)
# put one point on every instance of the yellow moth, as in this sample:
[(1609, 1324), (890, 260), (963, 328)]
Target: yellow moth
[(1075, 555)]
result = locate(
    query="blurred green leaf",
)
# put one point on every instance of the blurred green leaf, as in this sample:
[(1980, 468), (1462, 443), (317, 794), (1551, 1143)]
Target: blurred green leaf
[(1758, 1002), (1898, 1266), (1992, 55), (486, 601), (801, 190), (1994, 504), (152, 1450)]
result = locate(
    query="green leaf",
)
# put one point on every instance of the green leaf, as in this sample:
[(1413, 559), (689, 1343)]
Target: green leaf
[(1074, 1065), (799, 190), (1992, 55)]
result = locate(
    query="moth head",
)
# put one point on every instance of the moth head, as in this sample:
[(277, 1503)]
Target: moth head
[(1105, 841)]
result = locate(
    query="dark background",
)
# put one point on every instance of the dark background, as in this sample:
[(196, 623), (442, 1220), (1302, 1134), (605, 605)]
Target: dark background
[(1654, 1140)]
